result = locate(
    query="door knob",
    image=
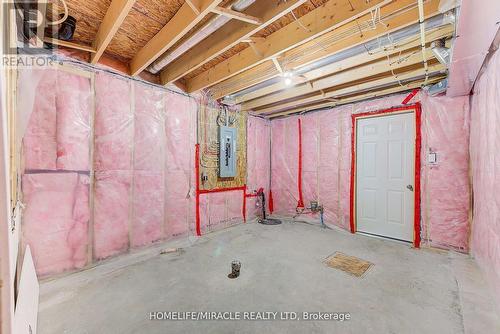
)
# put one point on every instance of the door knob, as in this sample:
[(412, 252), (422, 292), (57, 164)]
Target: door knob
[(410, 187)]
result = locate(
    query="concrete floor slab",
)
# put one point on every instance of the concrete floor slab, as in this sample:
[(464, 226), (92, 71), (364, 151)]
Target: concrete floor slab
[(406, 291)]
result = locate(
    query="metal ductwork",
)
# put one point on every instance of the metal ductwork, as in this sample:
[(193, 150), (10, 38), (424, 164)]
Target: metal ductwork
[(210, 27), (438, 88), (371, 46), (441, 52)]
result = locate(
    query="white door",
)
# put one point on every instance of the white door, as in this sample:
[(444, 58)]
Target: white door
[(385, 163)]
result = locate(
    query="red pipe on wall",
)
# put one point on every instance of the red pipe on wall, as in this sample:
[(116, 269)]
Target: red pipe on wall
[(271, 202), (217, 190), (353, 174), (221, 190), (197, 172), (244, 209), (418, 150), (410, 96), (300, 203)]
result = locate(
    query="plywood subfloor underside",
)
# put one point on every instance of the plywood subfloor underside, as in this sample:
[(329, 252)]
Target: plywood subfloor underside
[(406, 291)]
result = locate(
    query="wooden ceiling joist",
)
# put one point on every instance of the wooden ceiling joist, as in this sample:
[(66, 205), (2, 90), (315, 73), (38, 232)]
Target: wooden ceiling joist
[(394, 63), (356, 98), (277, 64), (115, 15), (190, 14), (232, 14), (69, 45), (226, 37), (399, 14), (195, 5), (318, 21), (364, 84), (351, 62)]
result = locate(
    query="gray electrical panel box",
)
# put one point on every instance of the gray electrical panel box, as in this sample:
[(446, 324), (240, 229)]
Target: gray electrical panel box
[(227, 151)]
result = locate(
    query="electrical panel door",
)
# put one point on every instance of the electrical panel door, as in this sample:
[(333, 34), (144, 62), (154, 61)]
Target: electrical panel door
[(227, 151)]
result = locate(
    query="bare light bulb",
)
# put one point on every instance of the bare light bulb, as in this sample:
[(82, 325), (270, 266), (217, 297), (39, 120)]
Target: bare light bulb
[(288, 78)]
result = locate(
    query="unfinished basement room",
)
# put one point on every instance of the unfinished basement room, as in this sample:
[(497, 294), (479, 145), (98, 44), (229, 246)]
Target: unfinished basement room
[(250, 166)]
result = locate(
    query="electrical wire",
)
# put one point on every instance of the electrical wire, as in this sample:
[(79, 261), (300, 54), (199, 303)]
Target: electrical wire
[(375, 19), (65, 16)]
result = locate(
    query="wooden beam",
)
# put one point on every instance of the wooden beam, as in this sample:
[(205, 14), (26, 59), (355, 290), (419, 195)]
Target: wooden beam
[(256, 39), (255, 49), (268, 68), (226, 37), (362, 85), (180, 84), (357, 60), (70, 45), (356, 98), (227, 12), (277, 65), (178, 26), (115, 15), (397, 62), (397, 15), (400, 13), (318, 21), (195, 5)]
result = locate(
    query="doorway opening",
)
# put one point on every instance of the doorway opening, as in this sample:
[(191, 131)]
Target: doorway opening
[(385, 173)]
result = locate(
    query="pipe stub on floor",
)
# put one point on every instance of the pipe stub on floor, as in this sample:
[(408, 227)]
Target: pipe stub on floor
[(235, 269)]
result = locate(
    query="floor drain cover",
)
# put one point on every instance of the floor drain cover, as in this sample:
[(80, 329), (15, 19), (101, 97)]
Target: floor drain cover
[(349, 264), (269, 221)]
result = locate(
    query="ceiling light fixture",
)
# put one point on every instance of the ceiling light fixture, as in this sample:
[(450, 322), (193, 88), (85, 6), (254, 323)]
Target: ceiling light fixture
[(288, 78)]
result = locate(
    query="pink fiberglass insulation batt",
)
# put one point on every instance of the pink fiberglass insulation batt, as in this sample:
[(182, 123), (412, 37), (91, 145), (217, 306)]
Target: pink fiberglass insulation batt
[(310, 143), (149, 160), (58, 131), (143, 161), (114, 123), (148, 205), (446, 191), (220, 210), (284, 164), (484, 146), (149, 126), (334, 165), (73, 104), (39, 142), (112, 205), (55, 220), (326, 170), (157, 135), (180, 125), (114, 138), (258, 162)]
